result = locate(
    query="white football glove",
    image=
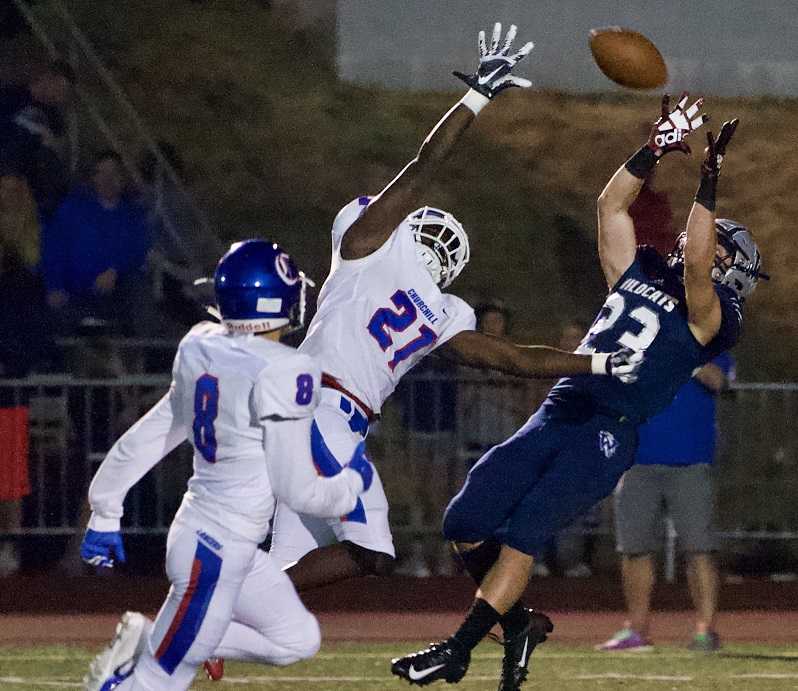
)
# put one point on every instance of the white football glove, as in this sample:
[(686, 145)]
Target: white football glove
[(623, 364), (495, 64)]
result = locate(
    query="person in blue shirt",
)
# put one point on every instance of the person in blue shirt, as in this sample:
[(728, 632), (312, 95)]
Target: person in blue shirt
[(95, 248), (672, 471), (682, 312)]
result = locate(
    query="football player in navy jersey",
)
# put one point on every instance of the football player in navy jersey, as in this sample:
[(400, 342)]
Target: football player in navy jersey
[(682, 311)]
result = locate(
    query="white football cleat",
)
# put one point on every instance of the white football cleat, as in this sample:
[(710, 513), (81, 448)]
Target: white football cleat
[(114, 664)]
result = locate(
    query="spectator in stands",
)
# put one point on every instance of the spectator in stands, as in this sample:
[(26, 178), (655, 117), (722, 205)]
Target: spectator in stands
[(31, 119), (95, 249), (25, 344), (19, 221), (672, 471), (491, 404)]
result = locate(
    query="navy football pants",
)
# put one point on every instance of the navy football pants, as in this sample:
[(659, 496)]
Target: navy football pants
[(550, 472)]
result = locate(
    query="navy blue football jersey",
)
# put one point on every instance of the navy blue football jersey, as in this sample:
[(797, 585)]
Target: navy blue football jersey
[(645, 310)]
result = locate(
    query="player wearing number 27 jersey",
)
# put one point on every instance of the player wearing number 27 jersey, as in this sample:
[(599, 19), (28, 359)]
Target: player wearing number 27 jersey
[(380, 311), (246, 403)]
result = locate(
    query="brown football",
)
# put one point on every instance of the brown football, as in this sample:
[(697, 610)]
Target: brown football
[(628, 58)]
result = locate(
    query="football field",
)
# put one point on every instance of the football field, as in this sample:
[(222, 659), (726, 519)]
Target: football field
[(361, 666)]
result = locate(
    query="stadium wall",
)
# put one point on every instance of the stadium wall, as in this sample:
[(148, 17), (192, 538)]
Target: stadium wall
[(717, 47)]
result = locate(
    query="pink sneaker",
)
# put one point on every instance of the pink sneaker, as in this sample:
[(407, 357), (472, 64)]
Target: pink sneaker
[(626, 641)]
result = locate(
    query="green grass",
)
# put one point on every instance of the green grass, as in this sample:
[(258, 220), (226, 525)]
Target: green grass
[(355, 667)]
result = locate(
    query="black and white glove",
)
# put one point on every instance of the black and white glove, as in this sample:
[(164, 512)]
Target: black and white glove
[(496, 64), (623, 364), (669, 132)]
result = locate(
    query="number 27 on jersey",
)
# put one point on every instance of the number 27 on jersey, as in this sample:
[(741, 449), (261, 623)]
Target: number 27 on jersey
[(388, 321)]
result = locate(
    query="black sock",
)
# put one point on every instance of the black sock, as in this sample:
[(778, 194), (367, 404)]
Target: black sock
[(479, 620), (478, 561), (514, 621)]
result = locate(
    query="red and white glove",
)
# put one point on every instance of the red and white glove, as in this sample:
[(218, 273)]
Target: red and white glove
[(669, 132)]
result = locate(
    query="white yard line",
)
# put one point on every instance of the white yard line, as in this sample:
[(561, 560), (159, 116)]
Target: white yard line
[(38, 683), (638, 677)]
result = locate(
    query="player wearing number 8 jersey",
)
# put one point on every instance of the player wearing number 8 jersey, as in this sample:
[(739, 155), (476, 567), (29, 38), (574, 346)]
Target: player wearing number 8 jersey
[(571, 453), (380, 311), (246, 403)]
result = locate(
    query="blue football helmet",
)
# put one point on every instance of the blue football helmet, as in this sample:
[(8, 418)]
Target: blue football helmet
[(259, 288)]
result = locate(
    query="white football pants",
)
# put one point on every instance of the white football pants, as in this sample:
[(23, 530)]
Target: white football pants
[(294, 535), (228, 599)]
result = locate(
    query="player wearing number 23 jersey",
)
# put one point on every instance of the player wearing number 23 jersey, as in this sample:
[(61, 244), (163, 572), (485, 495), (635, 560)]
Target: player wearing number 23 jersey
[(380, 311), (683, 311)]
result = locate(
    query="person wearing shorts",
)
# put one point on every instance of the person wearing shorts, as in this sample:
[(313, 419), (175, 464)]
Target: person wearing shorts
[(672, 476)]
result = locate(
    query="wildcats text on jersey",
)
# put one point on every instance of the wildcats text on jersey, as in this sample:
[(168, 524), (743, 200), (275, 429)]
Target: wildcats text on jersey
[(657, 296)]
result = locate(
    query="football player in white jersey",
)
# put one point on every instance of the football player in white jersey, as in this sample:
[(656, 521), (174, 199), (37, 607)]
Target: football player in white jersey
[(380, 311), (246, 404)]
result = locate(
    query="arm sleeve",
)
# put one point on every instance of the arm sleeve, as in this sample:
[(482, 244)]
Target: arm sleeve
[(130, 458), (284, 397), (294, 478)]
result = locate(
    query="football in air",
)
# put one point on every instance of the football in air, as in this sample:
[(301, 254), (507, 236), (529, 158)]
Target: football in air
[(628, 58)]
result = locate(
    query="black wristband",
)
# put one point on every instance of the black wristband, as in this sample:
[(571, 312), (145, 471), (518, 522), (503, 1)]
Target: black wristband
[(642, 163), (707, 190)]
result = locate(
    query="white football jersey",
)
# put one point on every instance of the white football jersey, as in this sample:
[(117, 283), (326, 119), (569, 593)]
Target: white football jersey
[(379, 315), (225, 385)]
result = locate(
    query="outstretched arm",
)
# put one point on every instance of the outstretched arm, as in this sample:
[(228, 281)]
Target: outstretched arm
[(403, 194), (488, 352), (700, 248), (144, 445), (134, 454), (616, 231)]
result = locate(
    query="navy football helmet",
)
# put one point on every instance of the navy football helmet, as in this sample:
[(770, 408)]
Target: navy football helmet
[(259, 288), (744, 271)]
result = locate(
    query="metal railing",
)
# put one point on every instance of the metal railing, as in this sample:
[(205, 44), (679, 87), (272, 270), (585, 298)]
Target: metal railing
[(104, 108), (432, 430)]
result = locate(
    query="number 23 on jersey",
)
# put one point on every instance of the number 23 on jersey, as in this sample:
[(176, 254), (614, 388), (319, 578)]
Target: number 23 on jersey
[(387, 321)]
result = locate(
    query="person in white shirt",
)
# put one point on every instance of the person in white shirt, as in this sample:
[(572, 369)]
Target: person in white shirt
[(246, 404)]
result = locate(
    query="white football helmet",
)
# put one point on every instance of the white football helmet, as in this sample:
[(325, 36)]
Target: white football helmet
[(441, 244)]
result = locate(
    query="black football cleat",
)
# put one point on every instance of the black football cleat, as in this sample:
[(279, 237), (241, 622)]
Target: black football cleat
[(446, 660), (519, 648)]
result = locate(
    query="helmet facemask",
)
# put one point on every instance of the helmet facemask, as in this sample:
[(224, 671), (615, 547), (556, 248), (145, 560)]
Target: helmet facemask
[(441, 244), (739, 269)]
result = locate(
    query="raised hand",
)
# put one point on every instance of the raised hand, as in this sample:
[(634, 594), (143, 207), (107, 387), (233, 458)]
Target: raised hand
[(100, 548), (669, 132), (716, 148), (496, 64)]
